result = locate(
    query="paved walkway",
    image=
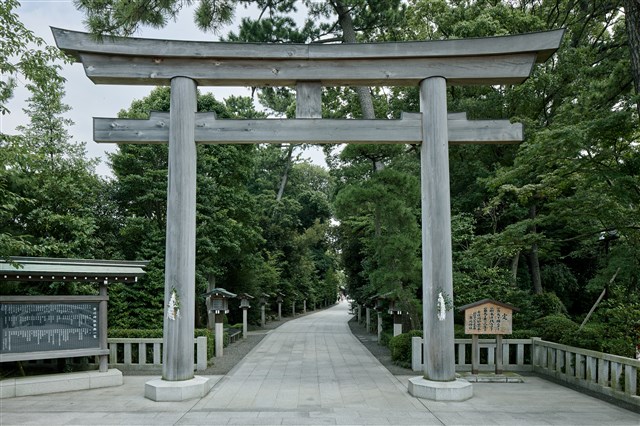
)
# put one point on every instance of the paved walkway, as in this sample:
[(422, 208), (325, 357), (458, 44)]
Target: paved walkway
[(313, 371)]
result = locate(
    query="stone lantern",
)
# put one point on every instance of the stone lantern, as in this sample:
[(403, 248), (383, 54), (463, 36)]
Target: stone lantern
[(264, 299), (379, 307), (295, 297), (245, 305), (279, 299), (219, 305), (395, 310)]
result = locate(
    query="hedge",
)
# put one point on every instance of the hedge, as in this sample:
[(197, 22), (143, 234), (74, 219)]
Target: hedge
[(400, 346)]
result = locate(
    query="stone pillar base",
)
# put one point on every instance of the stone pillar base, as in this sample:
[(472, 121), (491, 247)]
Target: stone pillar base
[(457, 390), (163, 390)]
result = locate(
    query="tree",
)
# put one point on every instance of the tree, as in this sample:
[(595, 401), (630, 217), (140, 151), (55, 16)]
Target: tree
[(23, 56), (55, 184), (227, 233)]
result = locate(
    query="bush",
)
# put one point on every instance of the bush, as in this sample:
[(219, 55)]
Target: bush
[(385, 338), (401, 348), (589, 337), (458, 331), (522, 334), (554, 327), (548, 304)]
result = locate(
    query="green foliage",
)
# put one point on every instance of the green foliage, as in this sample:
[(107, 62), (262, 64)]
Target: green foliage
[(620, 321), (400, 347), (589, 337), (19, 60), (385, 338), (554, 327), (548, 304)]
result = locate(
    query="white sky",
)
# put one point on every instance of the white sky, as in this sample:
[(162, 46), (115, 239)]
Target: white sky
[(88, 100)]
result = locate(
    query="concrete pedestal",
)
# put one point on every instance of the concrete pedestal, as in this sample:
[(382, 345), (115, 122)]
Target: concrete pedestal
[(163, 390), (457, 390)]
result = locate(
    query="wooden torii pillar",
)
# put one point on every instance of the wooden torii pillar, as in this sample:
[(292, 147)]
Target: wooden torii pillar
[(429, 65)]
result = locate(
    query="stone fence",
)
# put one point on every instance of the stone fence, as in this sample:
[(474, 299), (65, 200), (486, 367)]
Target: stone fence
[(609, 375), (146, 353), (516, 354)]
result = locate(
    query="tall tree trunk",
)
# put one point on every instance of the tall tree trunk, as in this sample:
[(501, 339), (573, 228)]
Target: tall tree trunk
[(632, 19), (285, 174), (514, 267), (364, 93), (534, 264), (349, 36)]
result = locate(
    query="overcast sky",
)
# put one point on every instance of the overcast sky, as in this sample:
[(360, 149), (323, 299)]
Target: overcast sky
[(88, 100)]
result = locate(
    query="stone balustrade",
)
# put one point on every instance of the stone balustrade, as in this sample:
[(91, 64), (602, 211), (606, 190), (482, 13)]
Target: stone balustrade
[(130, 359), (516, 354), (610, 375)]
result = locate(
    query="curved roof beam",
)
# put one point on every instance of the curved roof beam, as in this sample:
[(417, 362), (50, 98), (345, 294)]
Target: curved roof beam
[(494, 60)]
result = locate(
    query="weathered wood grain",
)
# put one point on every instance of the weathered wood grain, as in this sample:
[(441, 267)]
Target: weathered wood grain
[(437, 275), (309, 99), (180, 258), (146, 70), (544, 44), (208, 130)]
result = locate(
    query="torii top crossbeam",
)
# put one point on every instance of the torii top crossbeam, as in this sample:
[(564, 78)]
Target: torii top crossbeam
[(493, 60)]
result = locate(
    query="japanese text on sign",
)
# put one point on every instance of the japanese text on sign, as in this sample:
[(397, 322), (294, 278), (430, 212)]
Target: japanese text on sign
[(488, 318)]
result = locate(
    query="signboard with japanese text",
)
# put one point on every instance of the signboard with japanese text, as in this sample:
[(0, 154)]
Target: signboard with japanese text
[(36, 327), (488, 317)]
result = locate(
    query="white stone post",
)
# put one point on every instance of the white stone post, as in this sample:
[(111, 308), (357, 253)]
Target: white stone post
[(279, 311), (304, 306), (368, 319), (219, 335), (180, 263), (102, 323), (263, 317), (244, 323), (379, 326)]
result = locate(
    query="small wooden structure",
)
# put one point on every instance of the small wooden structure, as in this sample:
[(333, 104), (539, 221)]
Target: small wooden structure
[(245, 304), (219, 302), (487, 316)]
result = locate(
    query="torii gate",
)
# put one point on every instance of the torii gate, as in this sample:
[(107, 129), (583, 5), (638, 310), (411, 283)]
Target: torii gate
[(186, 64)]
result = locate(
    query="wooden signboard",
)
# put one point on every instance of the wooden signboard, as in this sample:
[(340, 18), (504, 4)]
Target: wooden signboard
[(488, 317)]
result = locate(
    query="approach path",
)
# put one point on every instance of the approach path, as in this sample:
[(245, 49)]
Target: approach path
[(312, 370)]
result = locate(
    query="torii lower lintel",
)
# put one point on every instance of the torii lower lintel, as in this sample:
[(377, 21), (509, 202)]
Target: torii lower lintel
[(209, 130)]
